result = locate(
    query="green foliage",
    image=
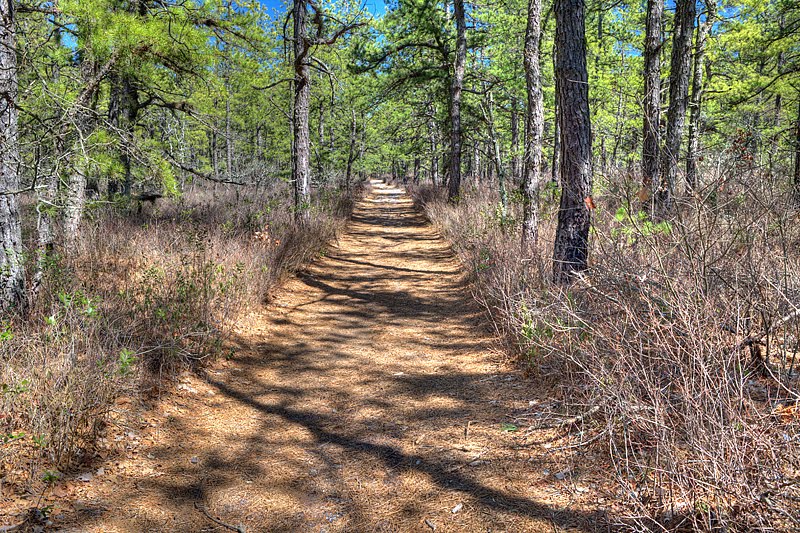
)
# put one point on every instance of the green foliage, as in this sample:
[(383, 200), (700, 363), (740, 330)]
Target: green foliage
[(15, 389), (126, 362), (637, 225)]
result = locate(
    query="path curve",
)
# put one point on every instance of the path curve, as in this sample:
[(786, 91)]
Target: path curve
[(365, 398)]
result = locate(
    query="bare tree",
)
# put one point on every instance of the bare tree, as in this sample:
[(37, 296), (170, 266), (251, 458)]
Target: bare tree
[(680, 63), (571, 247), (534, 124), (454, 184), (12, 273)]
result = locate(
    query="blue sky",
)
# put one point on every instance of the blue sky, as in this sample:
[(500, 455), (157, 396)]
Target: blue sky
[(376, 7)]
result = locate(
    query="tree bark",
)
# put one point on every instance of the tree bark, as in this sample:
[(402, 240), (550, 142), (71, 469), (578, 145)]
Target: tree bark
[(351, 151), (678, 99), (454, 183), (434, 148), (302, 98), (496, 157), (651, 137), (228, 135), (534, 125), (556, 132), (571, 247), (796, 180), (776, 124), (516, 160), (77, 127), (123, 111), (696, 101), (12, 270)]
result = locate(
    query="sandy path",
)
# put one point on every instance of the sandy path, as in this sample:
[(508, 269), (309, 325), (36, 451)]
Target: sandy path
[(365, 398)]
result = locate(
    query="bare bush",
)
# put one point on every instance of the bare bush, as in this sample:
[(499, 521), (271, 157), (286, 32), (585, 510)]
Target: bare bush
[(140, 296), (681, 342)]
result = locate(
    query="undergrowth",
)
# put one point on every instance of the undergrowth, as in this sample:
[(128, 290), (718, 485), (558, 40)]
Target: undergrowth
[(139, 297), (679, 344)]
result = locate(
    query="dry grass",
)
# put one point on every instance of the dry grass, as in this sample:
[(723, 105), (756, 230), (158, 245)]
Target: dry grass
[(140, 296), (681, 342)]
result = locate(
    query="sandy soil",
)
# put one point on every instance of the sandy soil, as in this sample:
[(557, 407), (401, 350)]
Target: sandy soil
[(366, 397)]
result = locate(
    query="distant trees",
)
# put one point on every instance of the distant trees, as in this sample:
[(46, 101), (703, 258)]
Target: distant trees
[(571, 247)]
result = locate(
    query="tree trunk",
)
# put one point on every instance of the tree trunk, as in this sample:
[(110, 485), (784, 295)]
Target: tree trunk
[(696, 101), (556, 132), (488, 112), (434, 151), (12, 270), (302, 97), (534, 125), (796, 180), (78, 124), (351, 151), (776, 124), (123, 111), (651, 138), (455, 101), (228, 137), (678, 99), (571, 247), (516, 160)]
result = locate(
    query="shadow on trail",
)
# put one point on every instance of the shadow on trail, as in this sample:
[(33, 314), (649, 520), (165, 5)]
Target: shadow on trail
[(370, 354), (392, 458)]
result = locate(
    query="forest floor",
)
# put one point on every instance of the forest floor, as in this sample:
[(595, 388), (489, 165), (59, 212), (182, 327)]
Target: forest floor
[(367, 396)]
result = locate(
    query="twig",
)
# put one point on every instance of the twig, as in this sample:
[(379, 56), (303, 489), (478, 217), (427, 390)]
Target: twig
[(202, 509), (572, 421)]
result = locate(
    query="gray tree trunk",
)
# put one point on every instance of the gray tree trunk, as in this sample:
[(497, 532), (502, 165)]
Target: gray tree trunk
[(77, 128), (123, 111), (302, 97), (434, 149), (556, 131), (534, 125), (454, 184), (796, 180), (696, 100), (651, 137), (571, 247), (12, 269), (497, 160), (351, 153), (680, 64), (516, 160)]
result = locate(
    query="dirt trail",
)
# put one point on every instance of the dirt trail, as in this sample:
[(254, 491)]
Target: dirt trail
[(365, 398)]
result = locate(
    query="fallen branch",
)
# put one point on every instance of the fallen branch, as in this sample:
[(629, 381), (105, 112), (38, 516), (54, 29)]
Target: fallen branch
[(202, 509)]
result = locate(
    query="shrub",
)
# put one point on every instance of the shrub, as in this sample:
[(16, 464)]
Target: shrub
[(680, 341), (139, 297)]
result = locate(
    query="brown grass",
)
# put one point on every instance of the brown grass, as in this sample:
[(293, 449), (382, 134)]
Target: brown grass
[(681, 342), (140, 296)]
